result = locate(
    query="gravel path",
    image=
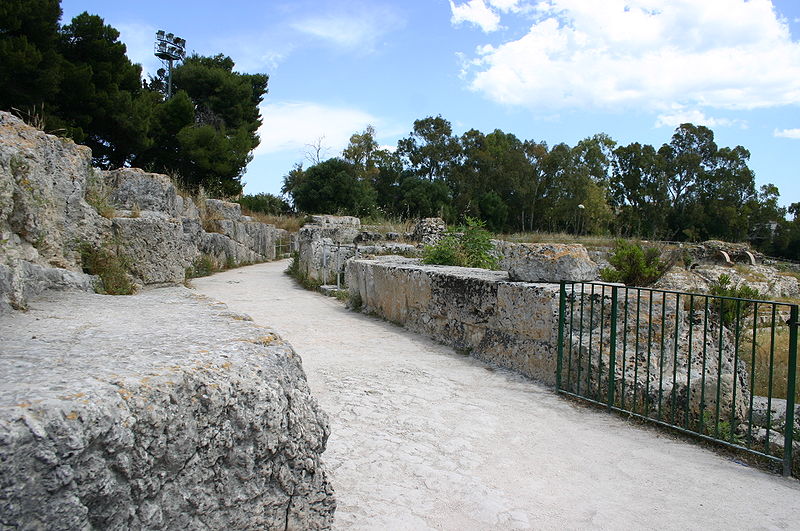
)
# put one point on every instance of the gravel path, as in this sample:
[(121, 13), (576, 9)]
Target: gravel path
[(425, 438)]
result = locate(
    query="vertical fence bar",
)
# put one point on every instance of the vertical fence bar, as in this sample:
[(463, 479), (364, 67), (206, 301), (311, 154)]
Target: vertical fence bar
[(752, 376), (636, 349), (771, 374), (591, 333), (689, 364), (580, 342), (600, 343), (624, 347), (788, 430), (719, 367), (646, 397), (571, 319), (736, 338), (612, 347), (701, 427), (675, 340), (661, 353), (562, 303)]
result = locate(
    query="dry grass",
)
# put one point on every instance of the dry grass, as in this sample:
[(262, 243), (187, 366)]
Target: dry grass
[(384, 225), (588, 241), (765, 350), (288, 223)]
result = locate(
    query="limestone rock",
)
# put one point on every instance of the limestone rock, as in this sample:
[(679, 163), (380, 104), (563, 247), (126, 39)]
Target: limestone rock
[(344, 221), (429, 231), (547, 262), (217, 209), (187, 417), (134, 188), (153, 248)]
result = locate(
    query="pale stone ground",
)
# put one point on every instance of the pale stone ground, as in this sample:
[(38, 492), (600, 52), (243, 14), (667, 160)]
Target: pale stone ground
[(425, 438)]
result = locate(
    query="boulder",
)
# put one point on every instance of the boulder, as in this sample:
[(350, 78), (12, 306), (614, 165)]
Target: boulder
[(132, 188), (548, 262), (156, 411)]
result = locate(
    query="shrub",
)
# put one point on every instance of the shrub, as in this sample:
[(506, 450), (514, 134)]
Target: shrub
[(110, 266), (467, 246), (202, 266), (634, 265), (727, 308)]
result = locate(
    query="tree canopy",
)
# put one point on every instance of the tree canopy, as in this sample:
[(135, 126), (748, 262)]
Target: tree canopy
[(686, 189), (76, 80)]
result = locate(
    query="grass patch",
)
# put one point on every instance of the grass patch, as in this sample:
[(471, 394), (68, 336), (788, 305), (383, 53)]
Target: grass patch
[(765, 350), (281, 221), (111, 266), (301, 277), (98, 195), (202, 266)]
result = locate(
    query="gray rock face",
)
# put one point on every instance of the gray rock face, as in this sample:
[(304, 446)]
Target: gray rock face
[(45, 183), (546, 262), (187, 417), (43, 214)]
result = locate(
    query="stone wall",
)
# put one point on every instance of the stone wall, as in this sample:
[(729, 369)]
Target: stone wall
[(51, 201), (511, 324)]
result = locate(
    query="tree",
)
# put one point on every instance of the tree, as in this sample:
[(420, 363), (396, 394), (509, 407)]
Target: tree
[(430, 150), (101, 103), (638, 190), (331, 187), (30, 63), (212, 148)]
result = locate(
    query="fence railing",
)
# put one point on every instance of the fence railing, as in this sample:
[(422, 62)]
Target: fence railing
[(334, 259), (283, 248), (719, 368)]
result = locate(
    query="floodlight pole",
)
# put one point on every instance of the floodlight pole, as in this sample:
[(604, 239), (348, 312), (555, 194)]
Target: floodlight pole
[(169, 48)]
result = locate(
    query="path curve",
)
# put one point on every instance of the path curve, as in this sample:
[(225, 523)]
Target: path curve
[(425, 438)]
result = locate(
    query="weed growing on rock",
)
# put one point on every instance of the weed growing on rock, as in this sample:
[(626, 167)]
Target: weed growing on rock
[(303, 279), (202, 266), (634, 265), (110, 266), (98, 196), (730, 309), (466, 246)]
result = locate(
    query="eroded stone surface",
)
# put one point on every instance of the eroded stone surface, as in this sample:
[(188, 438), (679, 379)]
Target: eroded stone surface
[(162, 410), (546, 262)]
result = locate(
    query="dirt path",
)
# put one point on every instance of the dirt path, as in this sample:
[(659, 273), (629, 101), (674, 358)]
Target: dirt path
[(425, 438)]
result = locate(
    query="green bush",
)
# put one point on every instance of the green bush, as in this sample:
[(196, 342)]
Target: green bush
[(202, 266), (466, 246), (634, 265), (727, 308), (110, 266)]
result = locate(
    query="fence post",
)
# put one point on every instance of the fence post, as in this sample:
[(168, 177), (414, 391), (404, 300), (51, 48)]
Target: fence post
[(788, 429), (562, 304), (612, 348)]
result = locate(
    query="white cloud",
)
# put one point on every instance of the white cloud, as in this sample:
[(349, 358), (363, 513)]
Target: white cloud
[(787, 133), (678, 116), (139, 39), (652, 54), (292, 126), (355, 30), (475, 12)]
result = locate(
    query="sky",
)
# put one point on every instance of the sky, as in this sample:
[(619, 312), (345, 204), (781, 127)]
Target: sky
[(545, 70)]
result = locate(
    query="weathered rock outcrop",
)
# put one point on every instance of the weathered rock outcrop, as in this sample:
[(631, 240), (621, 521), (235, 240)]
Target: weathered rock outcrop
[(186, 417), (51, 201), (546, 262)]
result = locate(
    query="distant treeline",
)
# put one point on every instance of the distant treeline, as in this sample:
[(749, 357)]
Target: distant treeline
[(688, 189), (76, 80)]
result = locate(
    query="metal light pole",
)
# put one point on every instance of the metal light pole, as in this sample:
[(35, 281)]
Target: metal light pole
[(169, 48)]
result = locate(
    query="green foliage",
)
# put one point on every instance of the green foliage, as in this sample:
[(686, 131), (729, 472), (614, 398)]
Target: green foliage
[(331, 187), (98, 196), (202, 266), (264, 204), (467, 246), (634, 265), (729, 309), (304, 280), (91, 91), (110, 265)]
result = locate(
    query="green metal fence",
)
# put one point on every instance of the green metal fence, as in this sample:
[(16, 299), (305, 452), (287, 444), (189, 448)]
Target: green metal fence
[(719, 368)]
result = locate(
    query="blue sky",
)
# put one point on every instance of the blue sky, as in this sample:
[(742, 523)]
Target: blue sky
[(545, 70)]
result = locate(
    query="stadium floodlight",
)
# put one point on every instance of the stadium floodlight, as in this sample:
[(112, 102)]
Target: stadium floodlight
[(169, 48)]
